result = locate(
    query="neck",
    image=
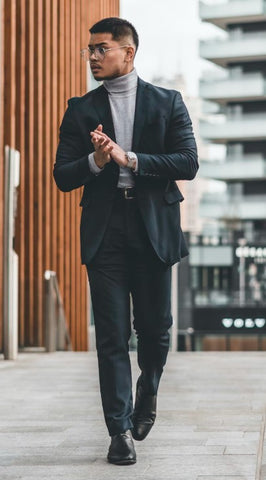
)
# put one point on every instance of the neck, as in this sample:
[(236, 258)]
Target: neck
[(124, 83)]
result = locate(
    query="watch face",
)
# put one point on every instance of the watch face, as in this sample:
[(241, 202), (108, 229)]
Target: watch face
[(131, 160)]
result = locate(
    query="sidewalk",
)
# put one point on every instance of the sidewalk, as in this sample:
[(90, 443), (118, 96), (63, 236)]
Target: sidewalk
[(209, 426)]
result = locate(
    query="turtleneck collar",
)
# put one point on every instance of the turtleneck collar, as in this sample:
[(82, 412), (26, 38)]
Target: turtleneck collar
[(123, 84)]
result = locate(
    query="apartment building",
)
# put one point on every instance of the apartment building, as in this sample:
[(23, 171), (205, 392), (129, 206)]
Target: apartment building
[(227, 270), (241, 120)]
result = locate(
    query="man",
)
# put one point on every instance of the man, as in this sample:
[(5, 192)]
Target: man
[(127, 142)]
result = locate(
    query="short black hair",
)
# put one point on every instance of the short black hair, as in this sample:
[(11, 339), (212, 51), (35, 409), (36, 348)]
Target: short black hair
[(118, 27)]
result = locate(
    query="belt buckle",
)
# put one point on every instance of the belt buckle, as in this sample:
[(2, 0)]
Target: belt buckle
[(126, 192)]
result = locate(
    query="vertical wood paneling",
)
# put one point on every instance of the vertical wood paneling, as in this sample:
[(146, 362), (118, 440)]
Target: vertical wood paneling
[(40, 68), (75, 250), (84, 26), (73, 216), (20, 145), (47, 98), (62, 96), (10, 73), (1, 154), (30, 239), (37, 169), (56, 95), (66, 199)]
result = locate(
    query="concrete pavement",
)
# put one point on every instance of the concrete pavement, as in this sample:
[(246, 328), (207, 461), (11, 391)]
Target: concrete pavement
[(210, 425)]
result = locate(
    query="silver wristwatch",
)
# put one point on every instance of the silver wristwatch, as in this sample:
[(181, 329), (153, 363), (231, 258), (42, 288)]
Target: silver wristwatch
[(131, 160)]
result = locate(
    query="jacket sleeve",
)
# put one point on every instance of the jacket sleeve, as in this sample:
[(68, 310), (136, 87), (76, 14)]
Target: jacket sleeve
[(71, 169), (181, 160)]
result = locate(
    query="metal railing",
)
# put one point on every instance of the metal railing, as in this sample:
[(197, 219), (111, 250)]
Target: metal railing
[(220, 298), (186, 340), (10, 257), (56, 331)]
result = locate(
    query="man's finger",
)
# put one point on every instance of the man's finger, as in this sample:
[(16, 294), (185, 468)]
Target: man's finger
[(100, 134), (101, 141), (104, 142)]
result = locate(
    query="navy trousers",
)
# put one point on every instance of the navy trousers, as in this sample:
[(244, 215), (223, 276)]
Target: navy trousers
[(127, 264)]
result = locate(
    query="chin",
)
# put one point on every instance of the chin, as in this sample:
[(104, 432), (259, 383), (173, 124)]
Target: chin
[(99, 77)]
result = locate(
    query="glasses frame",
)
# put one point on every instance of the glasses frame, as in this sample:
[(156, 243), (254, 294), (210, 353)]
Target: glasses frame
[(88, 51)]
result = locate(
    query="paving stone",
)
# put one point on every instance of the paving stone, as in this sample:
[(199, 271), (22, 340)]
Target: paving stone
[(218, 477), (249, 449), (263, 472)]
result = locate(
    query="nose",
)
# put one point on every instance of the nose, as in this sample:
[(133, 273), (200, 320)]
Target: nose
[(93, 54)]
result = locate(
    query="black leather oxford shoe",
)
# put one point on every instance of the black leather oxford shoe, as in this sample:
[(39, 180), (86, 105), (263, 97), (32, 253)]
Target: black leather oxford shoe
[(121, 450), (144, 413)]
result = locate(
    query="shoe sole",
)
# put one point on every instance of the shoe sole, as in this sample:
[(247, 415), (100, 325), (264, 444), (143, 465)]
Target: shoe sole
[(121, 462)]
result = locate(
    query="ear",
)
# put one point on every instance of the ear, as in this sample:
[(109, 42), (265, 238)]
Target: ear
[(130, 54)]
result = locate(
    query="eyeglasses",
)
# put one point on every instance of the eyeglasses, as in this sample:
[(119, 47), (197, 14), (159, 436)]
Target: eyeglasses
[(98, 52)]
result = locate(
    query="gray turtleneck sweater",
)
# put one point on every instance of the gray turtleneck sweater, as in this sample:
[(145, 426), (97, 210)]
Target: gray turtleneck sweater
[(122, 97)]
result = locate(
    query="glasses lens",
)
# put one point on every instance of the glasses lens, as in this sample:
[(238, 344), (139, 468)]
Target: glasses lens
[(99, 52), (84, 53)]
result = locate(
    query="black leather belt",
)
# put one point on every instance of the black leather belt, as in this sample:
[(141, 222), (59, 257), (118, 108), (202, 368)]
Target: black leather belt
[(128, 193)]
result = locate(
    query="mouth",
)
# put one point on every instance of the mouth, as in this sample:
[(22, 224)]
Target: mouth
[(95, 68)]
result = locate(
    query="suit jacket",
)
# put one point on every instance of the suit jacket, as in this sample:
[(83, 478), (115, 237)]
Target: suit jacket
[(164, 143)]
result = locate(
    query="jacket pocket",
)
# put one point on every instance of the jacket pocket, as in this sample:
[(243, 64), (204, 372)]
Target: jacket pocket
[(85, 200), (173, 196)]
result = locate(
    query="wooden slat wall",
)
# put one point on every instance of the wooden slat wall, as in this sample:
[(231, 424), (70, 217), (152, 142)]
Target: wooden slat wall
[(1, 156), (40, 69)]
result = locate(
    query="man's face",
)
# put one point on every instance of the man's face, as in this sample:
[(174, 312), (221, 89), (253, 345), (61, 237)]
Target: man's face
[(116, 62)]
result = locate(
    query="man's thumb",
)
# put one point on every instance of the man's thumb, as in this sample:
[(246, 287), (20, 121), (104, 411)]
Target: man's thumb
[(99, 128)]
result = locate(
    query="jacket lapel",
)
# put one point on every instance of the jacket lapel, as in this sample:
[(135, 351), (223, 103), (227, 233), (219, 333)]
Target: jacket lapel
[(140, 113), (102, 107), (103, 110)]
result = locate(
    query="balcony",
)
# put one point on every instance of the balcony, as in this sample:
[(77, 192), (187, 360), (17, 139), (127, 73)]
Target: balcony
[(242, 88), (224, 206), (234, 11), (242, 48), (210, 256), (245, 127), (248, 167)]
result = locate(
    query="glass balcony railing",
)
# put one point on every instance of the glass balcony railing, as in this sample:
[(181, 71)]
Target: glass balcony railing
[(234, 11), (238, 207), (243, 87), (247, 167), (242, 127), (245, 47)]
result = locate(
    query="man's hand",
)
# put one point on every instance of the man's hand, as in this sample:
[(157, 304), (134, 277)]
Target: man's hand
[(101, 140), (102, 147)]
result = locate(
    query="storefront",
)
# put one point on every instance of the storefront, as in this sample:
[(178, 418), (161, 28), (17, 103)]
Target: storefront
[(222, 294)]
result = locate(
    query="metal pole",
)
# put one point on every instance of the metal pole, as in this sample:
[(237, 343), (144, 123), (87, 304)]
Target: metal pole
[(56, 331), (50, 312), (10, 266), (242, 273), (62, 330), (174, 302)]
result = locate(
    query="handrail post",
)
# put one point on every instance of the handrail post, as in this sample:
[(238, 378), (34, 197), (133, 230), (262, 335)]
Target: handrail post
[(56, 331), (50, 312), (10, 257)]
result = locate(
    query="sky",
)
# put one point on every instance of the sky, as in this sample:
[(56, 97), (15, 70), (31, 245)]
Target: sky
[(169, 31)]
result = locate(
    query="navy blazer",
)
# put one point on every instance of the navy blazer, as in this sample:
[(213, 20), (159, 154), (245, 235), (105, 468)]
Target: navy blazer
[(164, 143)]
